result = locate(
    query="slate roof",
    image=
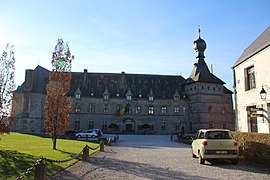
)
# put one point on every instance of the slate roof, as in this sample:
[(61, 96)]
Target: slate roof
[(121, 83), (201, 73), (40, 79), (116, 83), (262, 42)]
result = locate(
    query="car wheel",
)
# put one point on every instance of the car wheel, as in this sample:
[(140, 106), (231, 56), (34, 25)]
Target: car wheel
[(201, 160), (79, 136), (93, 136), (235, 161), (193, 155)]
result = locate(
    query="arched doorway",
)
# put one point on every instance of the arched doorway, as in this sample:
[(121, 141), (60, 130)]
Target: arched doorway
[(146, 128), (114, 127), (129, 123)]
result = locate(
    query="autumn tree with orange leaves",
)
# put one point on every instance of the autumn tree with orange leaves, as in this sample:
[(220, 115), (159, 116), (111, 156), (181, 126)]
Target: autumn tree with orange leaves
[(57, 104), (7, 85)]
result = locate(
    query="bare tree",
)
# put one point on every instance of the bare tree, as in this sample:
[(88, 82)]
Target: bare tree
[(57, 104), (7, 85)]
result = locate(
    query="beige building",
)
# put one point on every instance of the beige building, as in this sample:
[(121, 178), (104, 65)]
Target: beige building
[(132, 103), (252, 77)]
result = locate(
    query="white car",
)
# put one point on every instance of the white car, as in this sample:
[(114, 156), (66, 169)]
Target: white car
[(87, 133), (212, 144)]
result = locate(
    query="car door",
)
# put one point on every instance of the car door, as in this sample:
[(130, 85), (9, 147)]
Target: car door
[(196, 144)]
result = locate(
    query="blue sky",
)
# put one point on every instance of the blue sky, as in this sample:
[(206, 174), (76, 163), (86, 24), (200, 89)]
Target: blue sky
[(135, 36)]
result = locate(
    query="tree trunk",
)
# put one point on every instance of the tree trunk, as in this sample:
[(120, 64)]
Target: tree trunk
[(54, 142)]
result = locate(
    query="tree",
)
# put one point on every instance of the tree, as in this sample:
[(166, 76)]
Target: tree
[(57, 104), (7, 85)]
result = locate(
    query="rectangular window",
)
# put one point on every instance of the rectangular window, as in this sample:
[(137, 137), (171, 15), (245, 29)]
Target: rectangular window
[(177, 126), (92, 108), (128, 98), (104, 126), (128, 109), (184, 110), (106, 97), (163, 125), (176, 110), (163, 109), (106, 108), (138, 109), (176, 98), (91, 125), (78, 96), (151, 110), (250, 78), (151, 98), (77, 126)]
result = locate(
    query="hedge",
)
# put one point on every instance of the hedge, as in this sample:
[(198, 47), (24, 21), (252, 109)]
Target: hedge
[(254, 146)]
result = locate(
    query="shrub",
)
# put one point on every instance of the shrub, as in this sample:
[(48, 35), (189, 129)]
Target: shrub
[(254, 146)]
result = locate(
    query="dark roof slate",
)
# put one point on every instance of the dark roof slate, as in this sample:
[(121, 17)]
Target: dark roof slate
[(40, 79), (139, 84), (116, 83), (256, 46), (201, 73)]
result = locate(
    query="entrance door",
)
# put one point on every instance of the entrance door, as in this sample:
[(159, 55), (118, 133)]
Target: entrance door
[(128, 128)]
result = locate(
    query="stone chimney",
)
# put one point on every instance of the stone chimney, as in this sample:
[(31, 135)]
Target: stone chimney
[(29, 79), (85, 72)]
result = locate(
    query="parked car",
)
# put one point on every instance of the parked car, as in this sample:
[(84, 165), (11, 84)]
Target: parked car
[(213, 144), (98, 131), (87, 133)]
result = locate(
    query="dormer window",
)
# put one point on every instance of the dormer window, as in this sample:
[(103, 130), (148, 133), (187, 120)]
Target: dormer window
[(129, 98), (106, 94), (176, 96), (151, 95), (129, 95), (78, 94)]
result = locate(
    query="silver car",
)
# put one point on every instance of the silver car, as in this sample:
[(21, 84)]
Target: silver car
[(87, 133)]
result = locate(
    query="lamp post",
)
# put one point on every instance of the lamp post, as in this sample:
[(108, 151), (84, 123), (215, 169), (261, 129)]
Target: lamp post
[(263, 93)]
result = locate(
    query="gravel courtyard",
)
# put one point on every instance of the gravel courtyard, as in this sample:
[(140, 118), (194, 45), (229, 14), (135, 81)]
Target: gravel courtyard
[(155, 157)]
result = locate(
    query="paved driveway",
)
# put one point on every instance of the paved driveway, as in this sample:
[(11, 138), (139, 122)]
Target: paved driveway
[(156, 157)]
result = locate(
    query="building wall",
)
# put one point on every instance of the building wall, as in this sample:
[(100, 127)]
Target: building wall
[(209, 106), (29, 116), (161, 122), (250, 98)]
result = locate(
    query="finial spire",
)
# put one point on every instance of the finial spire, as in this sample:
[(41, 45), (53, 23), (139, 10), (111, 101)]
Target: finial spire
[(199, 30)]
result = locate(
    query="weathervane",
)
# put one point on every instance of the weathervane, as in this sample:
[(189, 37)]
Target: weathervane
[(199, 30)]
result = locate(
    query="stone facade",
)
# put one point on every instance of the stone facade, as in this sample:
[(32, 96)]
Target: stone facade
[(132, 103), (251, 73)]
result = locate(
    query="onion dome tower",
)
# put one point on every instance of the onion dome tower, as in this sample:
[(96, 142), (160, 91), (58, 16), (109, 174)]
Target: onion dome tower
[(200, 72)]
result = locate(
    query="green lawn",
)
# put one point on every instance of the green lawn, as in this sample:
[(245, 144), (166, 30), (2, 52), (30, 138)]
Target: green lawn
[(20, 151)]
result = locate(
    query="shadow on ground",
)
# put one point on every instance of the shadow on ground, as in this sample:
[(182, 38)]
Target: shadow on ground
[(13, 164)]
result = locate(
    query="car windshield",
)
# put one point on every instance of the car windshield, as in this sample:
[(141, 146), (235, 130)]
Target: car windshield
[(218, 135)]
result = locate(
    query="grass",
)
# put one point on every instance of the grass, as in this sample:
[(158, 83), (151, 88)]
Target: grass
[(20, 151)]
